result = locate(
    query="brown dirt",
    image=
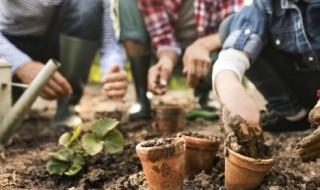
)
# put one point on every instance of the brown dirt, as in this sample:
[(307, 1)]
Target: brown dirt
[(22, 164)]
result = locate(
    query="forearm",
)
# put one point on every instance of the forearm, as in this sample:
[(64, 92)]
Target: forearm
[(211, 42), (228, 85), (168, 56)]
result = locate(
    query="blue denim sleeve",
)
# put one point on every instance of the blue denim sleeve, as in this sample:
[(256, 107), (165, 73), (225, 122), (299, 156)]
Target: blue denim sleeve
[(248, 30)]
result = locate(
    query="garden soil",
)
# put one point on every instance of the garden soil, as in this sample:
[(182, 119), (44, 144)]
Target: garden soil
[(22, 163)]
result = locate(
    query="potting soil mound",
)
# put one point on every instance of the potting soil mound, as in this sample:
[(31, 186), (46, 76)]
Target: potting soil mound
[(22, 164)]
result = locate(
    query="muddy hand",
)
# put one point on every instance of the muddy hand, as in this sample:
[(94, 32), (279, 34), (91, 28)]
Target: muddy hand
[(157, 79), (309, 147), (314, 114), (240, 137)]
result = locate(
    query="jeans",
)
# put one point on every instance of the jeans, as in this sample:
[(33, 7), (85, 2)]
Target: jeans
[(286, 88)]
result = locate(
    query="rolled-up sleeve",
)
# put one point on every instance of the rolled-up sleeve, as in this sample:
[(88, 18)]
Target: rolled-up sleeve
[(248, 30), (15, 57), (111, 51)]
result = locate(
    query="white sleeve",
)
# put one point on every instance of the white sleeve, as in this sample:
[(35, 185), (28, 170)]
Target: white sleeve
[(233, 60)]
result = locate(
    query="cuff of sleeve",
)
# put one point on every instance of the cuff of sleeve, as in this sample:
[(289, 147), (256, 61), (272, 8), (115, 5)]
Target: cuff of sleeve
[(17, 61), (230, 59), (173, 48), (245, 41), (107, 62)]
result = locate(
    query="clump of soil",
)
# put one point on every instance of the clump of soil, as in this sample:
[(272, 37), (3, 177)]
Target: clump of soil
[(157, 142), (242, 138)]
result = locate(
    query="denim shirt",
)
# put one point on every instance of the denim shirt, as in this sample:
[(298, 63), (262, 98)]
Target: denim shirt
[(283, 23)]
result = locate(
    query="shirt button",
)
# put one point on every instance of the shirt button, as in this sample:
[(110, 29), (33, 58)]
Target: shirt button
[(247, 31), (278, 42), (310, 58)]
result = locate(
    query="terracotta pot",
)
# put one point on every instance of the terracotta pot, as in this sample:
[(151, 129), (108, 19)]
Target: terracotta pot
[(163, 165), (169, 117), (200, 153), (244, 173)]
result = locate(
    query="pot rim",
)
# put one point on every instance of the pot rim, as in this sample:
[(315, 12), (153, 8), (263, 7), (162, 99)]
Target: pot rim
[(156, 153), (259, 165), (200, 143)]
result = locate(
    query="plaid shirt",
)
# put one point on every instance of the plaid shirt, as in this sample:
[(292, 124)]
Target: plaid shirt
[(161, 16)]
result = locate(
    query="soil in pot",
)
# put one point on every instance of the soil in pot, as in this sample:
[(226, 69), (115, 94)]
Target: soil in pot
[(169, 117), (163, 162), (200, 152), (247, 158)]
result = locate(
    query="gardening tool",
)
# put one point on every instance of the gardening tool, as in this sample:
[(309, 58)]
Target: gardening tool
[(309, 146), (11, 117)]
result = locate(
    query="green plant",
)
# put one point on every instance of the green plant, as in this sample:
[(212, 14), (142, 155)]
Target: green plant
[(75, 153)]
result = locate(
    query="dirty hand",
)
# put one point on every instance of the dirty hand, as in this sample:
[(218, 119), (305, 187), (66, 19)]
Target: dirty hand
[(196, 63), (158, 76), (309, 147), (115, 82), (57, 86)]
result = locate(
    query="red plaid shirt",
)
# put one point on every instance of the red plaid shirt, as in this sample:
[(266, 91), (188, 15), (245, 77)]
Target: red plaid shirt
[(160, 17)]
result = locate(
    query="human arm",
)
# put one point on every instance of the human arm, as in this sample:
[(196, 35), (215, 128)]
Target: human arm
[(112, 59), (196, 59), (160, 73), (27, 69)]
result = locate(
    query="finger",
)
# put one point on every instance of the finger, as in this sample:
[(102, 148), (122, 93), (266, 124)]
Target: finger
[(164, 76), (115, 86), (191, 74), (56, 88), (113, 77), (49, 93), (114, 69), (45, 96), (153, 75), (116, 93), (63, 83)]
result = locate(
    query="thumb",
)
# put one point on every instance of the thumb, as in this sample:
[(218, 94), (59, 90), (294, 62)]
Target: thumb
[(164, 76), (114, 69)]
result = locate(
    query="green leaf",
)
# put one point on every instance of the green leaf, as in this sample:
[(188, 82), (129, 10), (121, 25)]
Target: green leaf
[(64, 140), (76, 166), (101, 127), (113, 142), (58, 167), (76, 132), (90, 144), (65, 155)]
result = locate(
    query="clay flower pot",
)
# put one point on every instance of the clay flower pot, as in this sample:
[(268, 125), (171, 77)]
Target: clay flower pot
[(244, 173), (200, 153), (163, 162), (169, 117)]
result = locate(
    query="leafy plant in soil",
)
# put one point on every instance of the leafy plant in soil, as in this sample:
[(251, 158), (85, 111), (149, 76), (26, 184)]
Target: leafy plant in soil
[(75, 153)]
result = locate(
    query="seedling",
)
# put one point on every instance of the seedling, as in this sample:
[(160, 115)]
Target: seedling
[(75, 153)]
